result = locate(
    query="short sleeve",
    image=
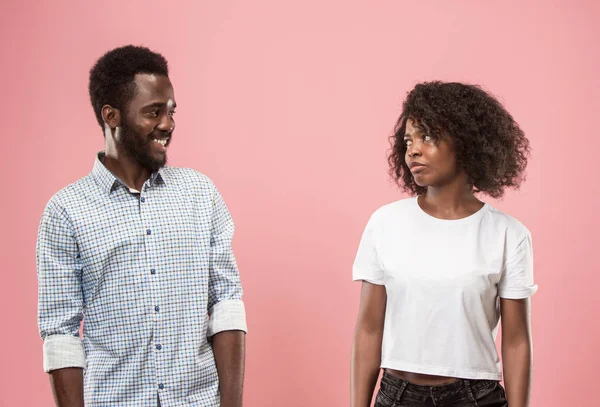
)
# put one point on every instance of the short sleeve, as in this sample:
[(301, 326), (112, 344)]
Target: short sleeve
[(367, 265), (517, 279)]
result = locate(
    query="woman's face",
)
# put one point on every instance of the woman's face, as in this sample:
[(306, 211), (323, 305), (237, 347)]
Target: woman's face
[(432, 162)]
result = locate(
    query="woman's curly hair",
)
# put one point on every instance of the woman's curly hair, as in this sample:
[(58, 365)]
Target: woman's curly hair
[(487, 141)]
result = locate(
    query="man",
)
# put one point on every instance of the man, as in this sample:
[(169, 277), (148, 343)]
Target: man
[(144, 252)]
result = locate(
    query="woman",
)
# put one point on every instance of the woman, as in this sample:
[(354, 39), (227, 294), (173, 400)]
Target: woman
[(438, 270)]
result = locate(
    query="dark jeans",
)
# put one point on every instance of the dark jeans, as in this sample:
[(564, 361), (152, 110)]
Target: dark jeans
[(395, 392)]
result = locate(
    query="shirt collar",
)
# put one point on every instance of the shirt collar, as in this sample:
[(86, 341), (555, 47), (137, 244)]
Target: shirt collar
[(108, 181)]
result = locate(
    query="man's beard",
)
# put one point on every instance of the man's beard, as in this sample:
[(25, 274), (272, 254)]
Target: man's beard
[(139, 149)]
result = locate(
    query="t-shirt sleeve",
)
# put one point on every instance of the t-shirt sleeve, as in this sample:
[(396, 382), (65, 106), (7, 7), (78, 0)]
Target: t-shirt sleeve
[(517, 278), (367, 265)]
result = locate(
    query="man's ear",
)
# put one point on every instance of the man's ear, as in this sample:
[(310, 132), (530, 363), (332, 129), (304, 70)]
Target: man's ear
[(111, 116)]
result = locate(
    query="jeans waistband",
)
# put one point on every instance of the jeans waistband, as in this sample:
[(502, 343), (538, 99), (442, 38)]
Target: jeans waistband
[(398, 383)]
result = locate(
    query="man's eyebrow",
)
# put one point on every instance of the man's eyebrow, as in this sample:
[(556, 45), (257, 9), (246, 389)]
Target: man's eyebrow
[(155, 104), (159, 105)]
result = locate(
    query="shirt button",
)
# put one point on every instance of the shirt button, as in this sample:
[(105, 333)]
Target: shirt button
[(152, 271), (159, 346), (143, 199), (148, 232), (157, 308), (161, 386)]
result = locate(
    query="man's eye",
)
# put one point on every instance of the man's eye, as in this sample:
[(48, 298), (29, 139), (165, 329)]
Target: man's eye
[(171, 114)]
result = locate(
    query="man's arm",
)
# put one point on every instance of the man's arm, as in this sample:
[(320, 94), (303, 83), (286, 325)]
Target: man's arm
[(516, 350), (60, 306), (229, 349), (227, 315), (67, 386)]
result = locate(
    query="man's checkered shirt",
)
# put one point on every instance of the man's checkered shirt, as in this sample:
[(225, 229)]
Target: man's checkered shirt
[(154, 274)]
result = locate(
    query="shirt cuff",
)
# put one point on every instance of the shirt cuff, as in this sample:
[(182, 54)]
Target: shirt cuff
[(368, 280), (227, 315), (61, 351), (518, 293)]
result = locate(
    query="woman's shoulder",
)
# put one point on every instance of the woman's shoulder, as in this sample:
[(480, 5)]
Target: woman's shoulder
[(394, 210), (512, 226)]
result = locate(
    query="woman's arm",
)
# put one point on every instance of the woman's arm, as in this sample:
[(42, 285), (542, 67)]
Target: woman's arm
[(516, 350), (366, 348)]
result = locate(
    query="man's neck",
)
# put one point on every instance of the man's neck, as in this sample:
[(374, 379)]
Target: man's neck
[(127, 170)]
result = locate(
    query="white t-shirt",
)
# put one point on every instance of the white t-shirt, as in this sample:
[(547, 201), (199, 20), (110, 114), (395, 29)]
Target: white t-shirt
[(443, 280)]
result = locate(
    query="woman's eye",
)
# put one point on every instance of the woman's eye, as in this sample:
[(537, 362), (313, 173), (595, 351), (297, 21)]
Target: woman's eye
[(408, 143)]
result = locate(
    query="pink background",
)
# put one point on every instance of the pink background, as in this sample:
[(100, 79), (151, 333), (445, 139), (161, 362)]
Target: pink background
[(287, 107)]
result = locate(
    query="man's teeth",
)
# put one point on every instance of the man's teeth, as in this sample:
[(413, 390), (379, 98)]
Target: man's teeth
[(161, 142)]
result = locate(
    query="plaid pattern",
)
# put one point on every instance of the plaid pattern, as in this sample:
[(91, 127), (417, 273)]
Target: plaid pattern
[(154, 274)]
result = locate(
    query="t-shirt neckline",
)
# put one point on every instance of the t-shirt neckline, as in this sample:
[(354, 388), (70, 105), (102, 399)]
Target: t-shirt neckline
[(466, 219)]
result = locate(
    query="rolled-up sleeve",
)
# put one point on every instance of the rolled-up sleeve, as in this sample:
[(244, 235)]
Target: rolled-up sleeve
[(60, 298), (225, 306), (517, 278)]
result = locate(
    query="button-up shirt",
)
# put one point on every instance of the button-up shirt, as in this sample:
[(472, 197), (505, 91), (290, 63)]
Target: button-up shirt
[(153, 276)]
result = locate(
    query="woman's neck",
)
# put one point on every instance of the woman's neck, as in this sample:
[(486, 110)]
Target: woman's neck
[(450, 202)]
